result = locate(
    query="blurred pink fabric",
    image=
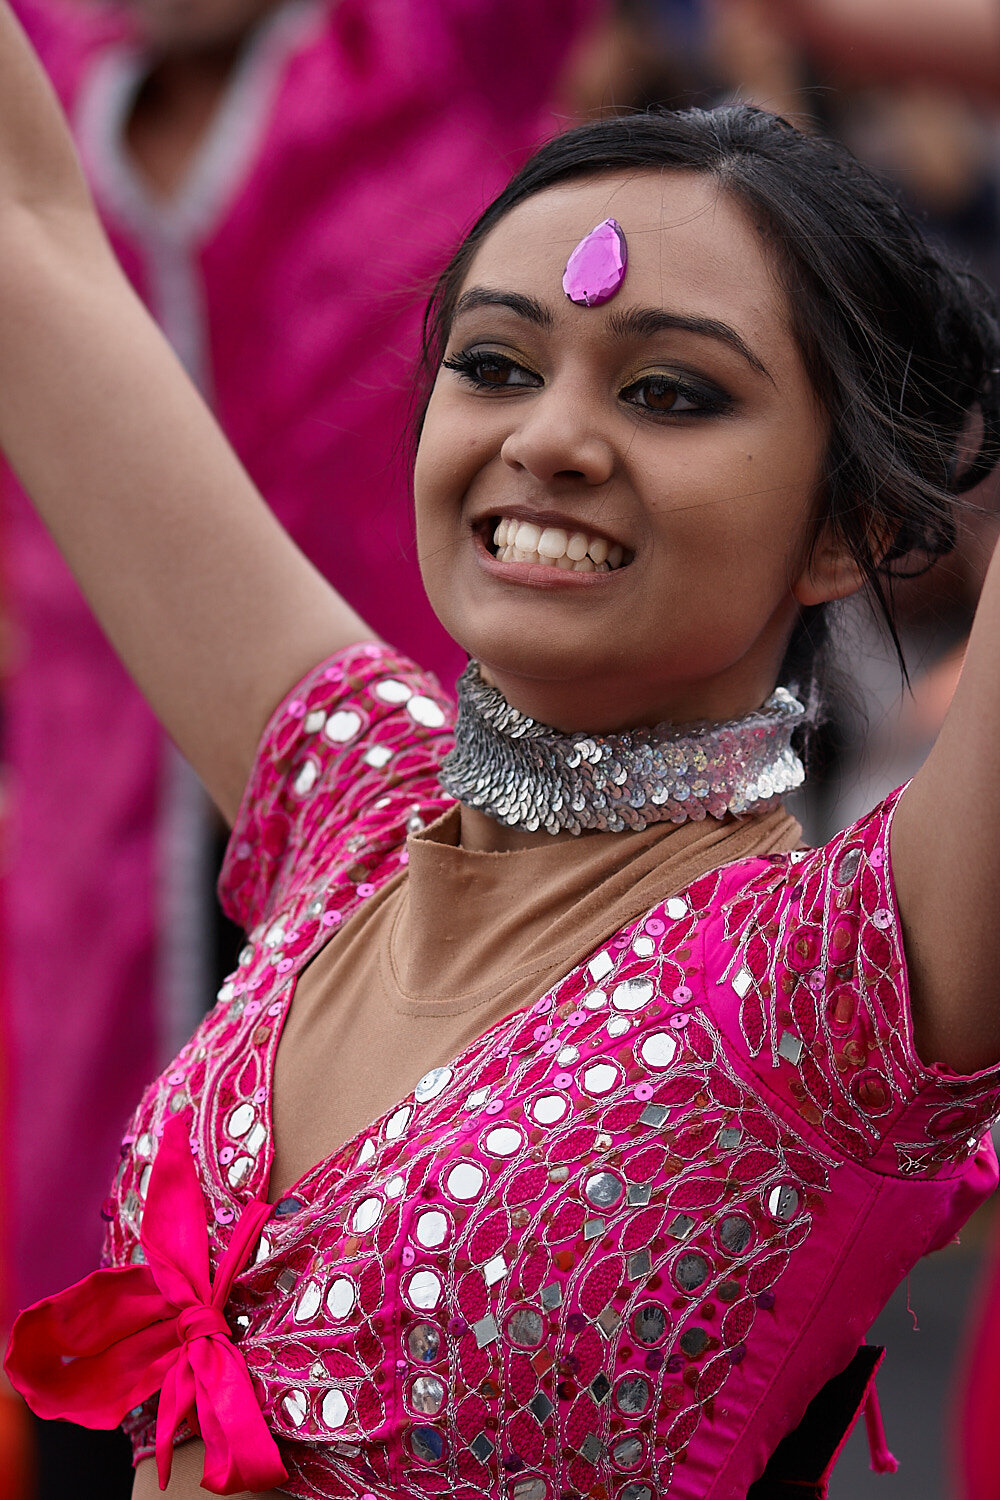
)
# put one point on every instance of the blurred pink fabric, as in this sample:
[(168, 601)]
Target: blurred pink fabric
[(357, 143)]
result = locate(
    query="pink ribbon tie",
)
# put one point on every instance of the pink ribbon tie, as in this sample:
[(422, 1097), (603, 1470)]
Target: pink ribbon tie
[(100, 1348)]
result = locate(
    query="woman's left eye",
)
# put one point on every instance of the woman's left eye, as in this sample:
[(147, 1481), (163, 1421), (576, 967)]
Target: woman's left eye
[(664, 395)]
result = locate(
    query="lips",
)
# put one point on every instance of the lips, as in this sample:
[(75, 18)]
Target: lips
[(512, 540)]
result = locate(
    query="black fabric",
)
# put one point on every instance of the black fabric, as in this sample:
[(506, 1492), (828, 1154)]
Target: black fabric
[(75, 1461), (798, 1467)]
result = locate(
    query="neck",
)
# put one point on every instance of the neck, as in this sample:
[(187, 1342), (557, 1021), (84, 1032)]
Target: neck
[(520, 781)]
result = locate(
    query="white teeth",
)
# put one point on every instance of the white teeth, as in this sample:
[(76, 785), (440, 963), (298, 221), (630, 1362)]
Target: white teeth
[(552, 543), (553, 546)]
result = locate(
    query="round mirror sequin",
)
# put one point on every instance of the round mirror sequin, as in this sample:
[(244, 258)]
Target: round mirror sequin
[(691, 1271), (433, 1083), (525, 1328), (735, 1233), (295, 1405), (366, 1215), (427, 1444), (506, 1140), (240, 1171), (531, 1487), (632, 1395), (649, 1323), (628, 1452), (425, 711), (783, 1202), (632, 994), (342, 726), (392, 691), (847, 866), (600, 1078), (431, 1229), (424, 1290), (549, 1109), (340, 1298), (308, 1304), (658, 1050), (424, 1343), (307, 777), (397, 1123), (427, 1394), (240, 1120), (465, 1181), (636, 1492), (603, 1189), (334, 1410)]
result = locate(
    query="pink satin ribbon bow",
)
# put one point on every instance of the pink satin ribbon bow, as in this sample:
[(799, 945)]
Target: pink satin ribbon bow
[(100, 1348)]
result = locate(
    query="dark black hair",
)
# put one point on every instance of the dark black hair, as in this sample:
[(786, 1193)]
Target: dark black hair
[(902, 346)]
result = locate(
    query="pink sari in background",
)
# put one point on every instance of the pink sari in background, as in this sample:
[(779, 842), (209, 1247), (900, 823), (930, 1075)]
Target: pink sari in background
[(356, 144)]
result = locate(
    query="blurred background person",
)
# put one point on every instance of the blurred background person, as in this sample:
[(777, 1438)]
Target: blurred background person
[(282, 180)]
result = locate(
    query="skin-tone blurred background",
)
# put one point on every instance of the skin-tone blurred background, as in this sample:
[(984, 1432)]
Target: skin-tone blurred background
[(189, 115)]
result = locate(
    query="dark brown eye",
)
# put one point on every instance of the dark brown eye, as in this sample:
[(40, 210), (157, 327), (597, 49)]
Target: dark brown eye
[(490, 371), (668, 396)]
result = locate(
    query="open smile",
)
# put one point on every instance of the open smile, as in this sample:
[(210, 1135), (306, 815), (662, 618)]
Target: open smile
[(510, 539)]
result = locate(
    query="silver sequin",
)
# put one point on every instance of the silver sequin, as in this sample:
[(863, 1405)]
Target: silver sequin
[(527, 775)]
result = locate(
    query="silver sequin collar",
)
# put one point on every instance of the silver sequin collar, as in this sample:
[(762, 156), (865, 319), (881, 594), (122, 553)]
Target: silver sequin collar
[(529, 776)]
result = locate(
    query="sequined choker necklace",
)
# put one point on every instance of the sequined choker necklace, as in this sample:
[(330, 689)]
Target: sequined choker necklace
[(529, 776)]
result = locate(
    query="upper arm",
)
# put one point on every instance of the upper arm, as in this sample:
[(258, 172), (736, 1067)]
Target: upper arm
[(210, 605), (946, 857)]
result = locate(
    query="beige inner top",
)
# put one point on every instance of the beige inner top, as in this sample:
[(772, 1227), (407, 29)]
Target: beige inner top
[(458, 940)]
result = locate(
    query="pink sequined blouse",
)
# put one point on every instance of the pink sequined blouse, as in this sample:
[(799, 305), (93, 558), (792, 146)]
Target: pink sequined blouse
[(616, 1246)]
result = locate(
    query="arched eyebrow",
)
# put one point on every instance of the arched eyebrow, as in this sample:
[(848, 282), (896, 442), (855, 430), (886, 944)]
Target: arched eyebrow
[(629, 323), (525, 307), (645, 322)]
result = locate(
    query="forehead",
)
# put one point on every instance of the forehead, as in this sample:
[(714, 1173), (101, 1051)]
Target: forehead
[(692, 248)]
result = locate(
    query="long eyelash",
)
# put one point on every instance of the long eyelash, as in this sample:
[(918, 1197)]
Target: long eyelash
[(467, 362), (710, 402)]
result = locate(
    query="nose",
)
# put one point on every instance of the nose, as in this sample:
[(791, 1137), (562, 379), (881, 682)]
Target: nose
[(558, 436)]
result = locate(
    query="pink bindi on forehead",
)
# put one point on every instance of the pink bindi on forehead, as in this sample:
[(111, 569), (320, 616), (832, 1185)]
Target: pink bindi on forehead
[(596, 269)]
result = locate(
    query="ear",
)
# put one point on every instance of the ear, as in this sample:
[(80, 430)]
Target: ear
[(830, 571)]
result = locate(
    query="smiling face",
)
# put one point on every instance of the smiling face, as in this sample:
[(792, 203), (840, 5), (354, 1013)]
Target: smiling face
[(615, 505)]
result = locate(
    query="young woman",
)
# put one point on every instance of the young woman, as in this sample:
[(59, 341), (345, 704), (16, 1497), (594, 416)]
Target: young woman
[(602, 1118)]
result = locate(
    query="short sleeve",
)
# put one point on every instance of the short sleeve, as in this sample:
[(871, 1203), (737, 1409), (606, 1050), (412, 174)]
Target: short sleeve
[(824, 1008), (346, 762)]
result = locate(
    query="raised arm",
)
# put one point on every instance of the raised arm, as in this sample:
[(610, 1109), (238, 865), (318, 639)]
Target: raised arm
[(212, 608), (946, 859)]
